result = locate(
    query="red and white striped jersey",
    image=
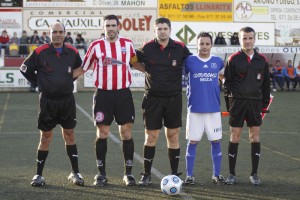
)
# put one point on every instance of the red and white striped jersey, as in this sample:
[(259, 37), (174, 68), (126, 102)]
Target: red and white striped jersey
[(110, 61)]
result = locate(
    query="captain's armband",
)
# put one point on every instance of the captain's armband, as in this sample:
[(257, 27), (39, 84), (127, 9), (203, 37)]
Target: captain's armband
[(134, 59)]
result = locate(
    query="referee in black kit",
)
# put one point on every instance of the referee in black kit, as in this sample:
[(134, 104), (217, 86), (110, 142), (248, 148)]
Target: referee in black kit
[(51, 67)]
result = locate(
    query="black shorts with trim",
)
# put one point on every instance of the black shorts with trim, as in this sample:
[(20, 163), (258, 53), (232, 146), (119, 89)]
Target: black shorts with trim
[(55, 111), (113, 104), (241, 110), (158, 110)]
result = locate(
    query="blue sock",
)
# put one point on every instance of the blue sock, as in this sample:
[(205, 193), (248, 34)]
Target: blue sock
[(216, 156), (190, 158)]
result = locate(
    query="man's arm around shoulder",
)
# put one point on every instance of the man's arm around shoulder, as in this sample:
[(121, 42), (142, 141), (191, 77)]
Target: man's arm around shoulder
[(78, 72)]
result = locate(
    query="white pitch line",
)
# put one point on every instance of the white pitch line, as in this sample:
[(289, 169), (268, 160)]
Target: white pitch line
[(154, 171), (4, 110)]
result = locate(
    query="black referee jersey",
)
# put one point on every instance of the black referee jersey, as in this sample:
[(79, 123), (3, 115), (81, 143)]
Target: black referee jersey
[(53, 72), (248, 79), (163, 67)]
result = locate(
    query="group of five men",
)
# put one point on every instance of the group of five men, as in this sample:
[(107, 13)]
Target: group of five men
[(54, 66)]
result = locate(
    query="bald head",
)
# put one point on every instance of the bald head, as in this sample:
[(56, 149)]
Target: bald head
[(55, 24), (57, 34)]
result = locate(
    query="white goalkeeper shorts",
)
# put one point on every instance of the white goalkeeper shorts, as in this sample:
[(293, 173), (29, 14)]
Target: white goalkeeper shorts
[(198, 123)]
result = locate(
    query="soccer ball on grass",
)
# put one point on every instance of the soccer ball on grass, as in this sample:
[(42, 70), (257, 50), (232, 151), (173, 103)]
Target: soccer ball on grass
[(171, 185)]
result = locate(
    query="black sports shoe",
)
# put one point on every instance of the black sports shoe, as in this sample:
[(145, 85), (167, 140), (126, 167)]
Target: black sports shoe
[(100, 180), (76, 178), (38, 180), (218, 179), (129, 180), (145, 180)]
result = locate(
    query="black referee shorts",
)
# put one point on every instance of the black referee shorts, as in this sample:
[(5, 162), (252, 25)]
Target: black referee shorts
[(113, 104), (158, 110), (55, 111), (241, 110)]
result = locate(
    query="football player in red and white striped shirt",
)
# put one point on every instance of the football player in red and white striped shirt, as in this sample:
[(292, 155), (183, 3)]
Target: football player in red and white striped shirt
[(110, 59)]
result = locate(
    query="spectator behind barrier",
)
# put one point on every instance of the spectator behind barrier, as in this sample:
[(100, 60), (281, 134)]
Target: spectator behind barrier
[(290, 75), (234, 40), (220, 40), (80, 42), (34, 41), (24, 41), (298, 72), (44, 39), (278, 76), (14, 45), (4, 41), (68, 39)]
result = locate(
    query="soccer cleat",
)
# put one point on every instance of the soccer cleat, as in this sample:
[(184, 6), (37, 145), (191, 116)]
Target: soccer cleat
[(189, 180), (129, 180), (38, 180), (230, 180), (100, 180), (145, 180), (218, 179), (76, 178), (254, 179)]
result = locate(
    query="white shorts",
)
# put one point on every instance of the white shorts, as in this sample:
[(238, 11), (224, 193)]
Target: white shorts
[(198, 123)]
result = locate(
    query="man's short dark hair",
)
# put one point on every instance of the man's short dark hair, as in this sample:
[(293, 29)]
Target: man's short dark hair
[(162, 20), (205, 34), (112, 17), (247, 29), (68, 33)]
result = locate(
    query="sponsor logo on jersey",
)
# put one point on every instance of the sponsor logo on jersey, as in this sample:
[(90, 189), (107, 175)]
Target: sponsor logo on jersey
[(111, 61), (205, 76), (213, 65), (123, 50)]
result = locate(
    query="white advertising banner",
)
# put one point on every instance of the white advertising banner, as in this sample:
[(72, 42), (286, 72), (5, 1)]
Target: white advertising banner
[(261, 49), (138, 79), (92, 3), (12, 78), (136, 25), (266, 11), (287, 34), (11, 21), (187, 31)]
